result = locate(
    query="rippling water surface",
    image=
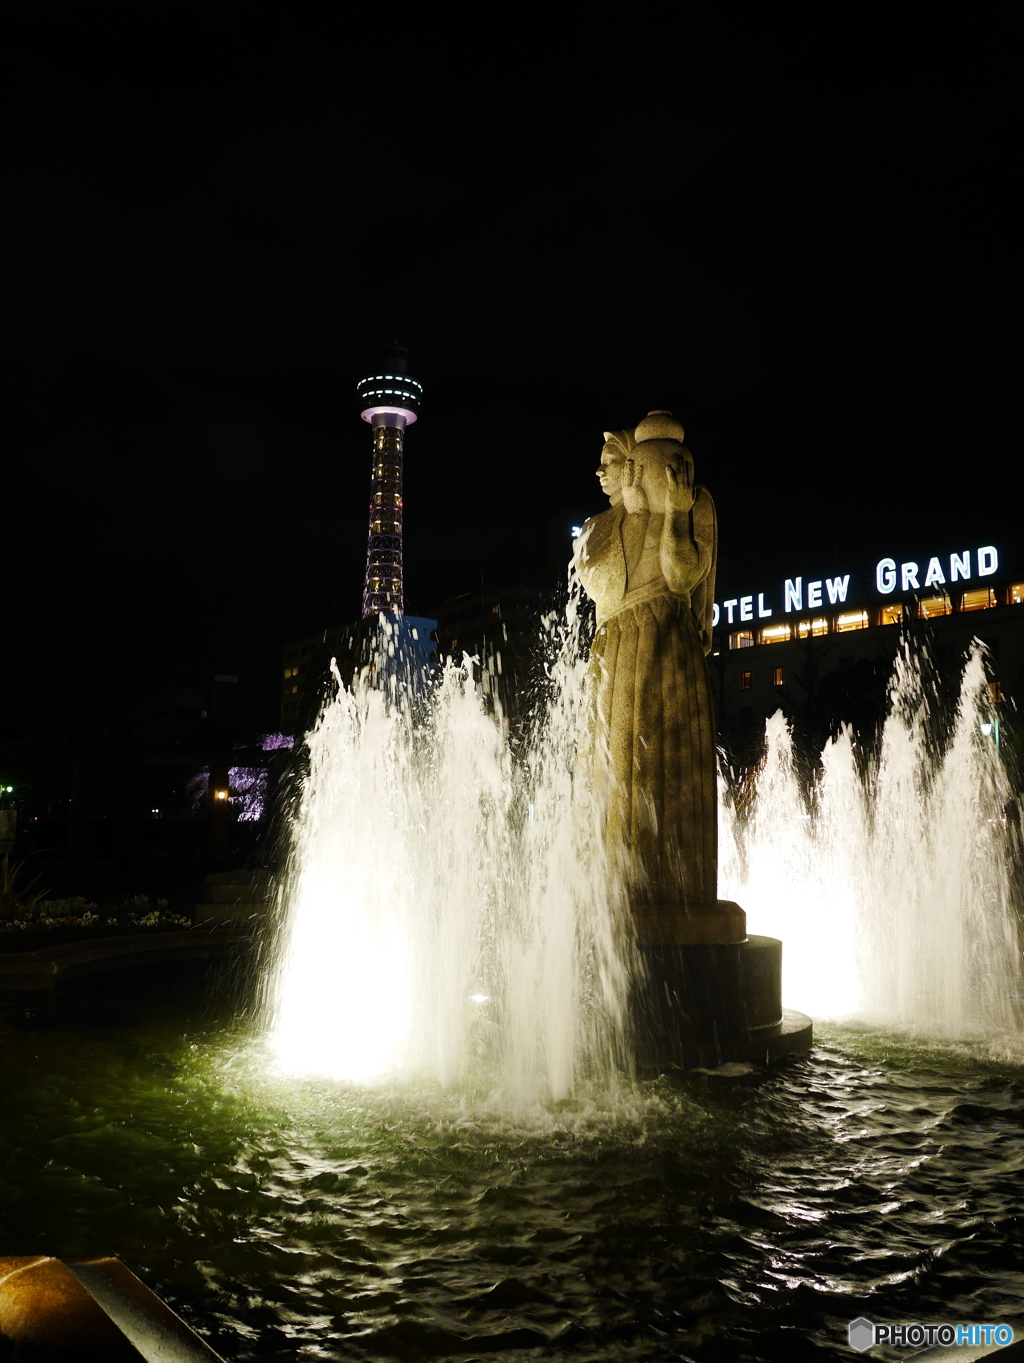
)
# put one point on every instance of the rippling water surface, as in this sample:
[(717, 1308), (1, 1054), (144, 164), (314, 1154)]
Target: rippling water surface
[(715, 1218)]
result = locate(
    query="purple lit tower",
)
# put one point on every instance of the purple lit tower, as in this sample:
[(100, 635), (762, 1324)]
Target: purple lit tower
[(390, 401)]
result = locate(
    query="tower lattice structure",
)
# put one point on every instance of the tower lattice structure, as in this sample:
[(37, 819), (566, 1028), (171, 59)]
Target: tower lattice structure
[(390, 400)]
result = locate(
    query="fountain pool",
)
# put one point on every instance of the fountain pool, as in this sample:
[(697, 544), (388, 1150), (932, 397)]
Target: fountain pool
[(404, 1171), (743, 1219)]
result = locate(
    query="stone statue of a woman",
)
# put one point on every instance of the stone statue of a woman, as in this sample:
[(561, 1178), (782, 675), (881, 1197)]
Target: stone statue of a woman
[(649, 565)]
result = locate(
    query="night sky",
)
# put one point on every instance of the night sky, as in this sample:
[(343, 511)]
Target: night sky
[(804, 243)]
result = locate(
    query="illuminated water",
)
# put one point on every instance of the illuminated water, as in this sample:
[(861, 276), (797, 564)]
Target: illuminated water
[(448, 915), (891, 886), (445, 911), (508, 1191), (725, 1219)]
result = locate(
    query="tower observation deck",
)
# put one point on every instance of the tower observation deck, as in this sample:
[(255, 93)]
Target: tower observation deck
[(389, 400)]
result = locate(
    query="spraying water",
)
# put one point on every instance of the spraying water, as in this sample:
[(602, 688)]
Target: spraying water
[(447, 913), (890, 885)]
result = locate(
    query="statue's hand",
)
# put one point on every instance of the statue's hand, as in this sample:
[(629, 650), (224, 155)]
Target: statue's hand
[(634, 498), (679, 490)]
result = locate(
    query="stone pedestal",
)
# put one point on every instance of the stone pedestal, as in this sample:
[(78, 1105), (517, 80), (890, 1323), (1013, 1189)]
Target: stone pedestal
[(674, 924), (708, 1003)]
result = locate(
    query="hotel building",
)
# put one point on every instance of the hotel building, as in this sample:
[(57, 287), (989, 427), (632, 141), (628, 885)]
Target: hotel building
[(774, 647)]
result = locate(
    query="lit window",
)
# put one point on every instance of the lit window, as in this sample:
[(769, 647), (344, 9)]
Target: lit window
[(776, 634), (978, 599), (806, 627), (778, 676), (995, 691), (932, 606), (853, 620), (743, 638), (746, 681), (891, 615), (1016, 594)]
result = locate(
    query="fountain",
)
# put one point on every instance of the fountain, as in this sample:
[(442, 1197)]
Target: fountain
[(445, 917), (458, 917), (449, 918), (527, 912), (910, 849)]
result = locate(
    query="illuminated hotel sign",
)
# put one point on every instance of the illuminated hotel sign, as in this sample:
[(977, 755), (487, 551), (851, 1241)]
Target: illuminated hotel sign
[(800, 594)]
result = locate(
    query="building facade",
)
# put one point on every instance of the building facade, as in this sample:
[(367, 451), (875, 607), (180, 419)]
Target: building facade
[(821, 647)]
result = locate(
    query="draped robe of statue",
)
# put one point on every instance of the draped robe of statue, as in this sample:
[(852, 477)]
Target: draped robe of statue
[(651, 723)]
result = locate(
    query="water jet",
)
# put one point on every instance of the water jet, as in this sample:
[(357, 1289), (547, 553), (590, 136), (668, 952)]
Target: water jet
[(891, 877)]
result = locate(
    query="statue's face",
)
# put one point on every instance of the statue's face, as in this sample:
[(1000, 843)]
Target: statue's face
[(609, 472)]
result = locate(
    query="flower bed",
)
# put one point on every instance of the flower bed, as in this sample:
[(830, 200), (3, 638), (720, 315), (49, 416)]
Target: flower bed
[(53, 922)]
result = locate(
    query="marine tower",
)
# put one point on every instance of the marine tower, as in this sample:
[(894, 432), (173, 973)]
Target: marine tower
[(389, 400)]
